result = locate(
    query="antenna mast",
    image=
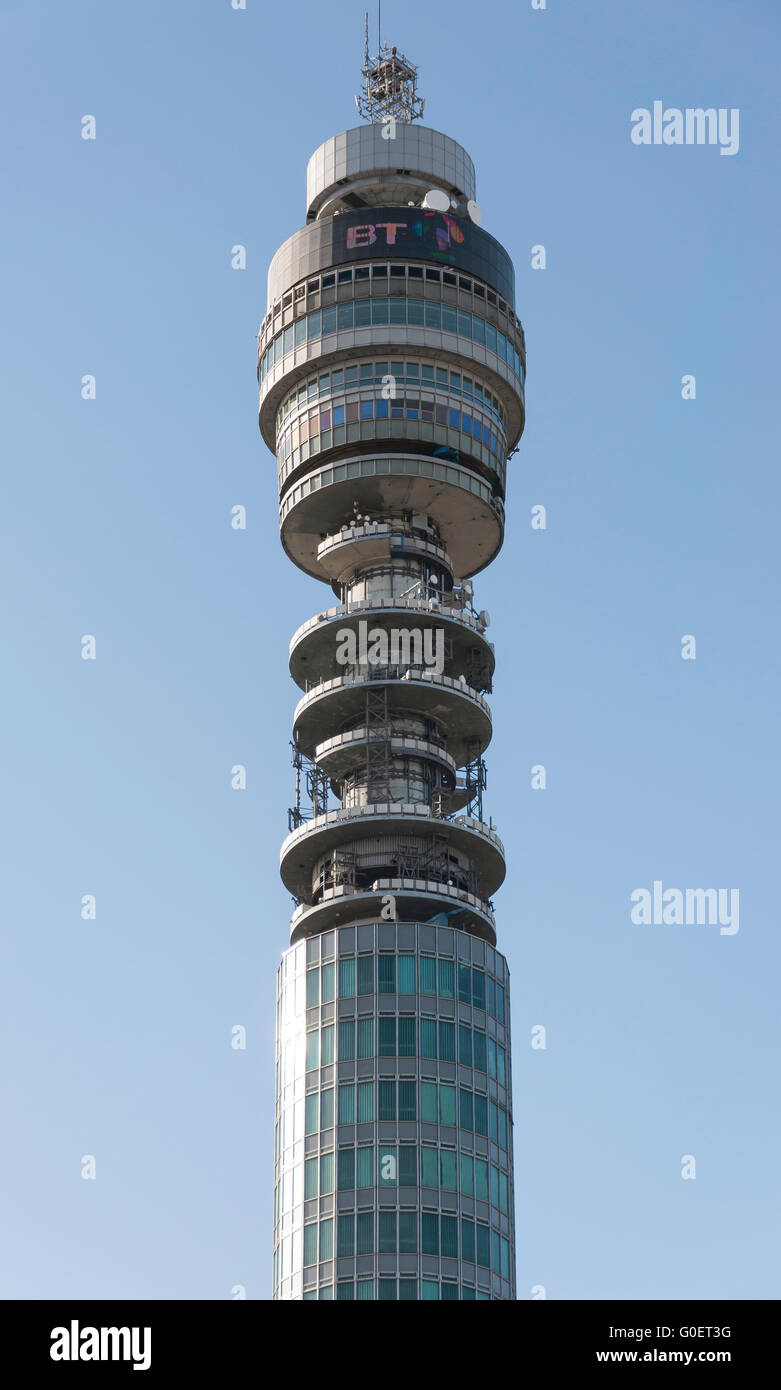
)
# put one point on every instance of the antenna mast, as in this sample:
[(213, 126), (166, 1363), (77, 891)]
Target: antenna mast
[(390, 83)]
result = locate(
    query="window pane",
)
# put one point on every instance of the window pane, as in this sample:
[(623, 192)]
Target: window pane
[(328, 982), (478, 989), (407, 1101), (448, 1235), (467, 1240), (387, 1037), (481, 1179), (479, 1047), (327, 1108), (447, 1105), (448, 1169), (447, 1041), (465, 1109), (312, 1050), (326, 1174), (311, 1113), (346, 1169), (387, 1094), (502, 1127), (365, 1037), (386, 974), (347, 1040), (467, 1175), (327, 1044), (429, 1233), (464, 1045), (326, 1240), (408, 1233), (310, 1177), (365, 1102), (345, 1235), (312, 987), (310, 1244), (428, 975), (500, 1003), (364, 1233), (408, 1165), (407, 1042), (365, 974), (346, 1104), (429, 1166), (481, 1115), (386, 1232), (445, 979), (428, 1037), (347, 978), (365, 1173), (428, 1102)]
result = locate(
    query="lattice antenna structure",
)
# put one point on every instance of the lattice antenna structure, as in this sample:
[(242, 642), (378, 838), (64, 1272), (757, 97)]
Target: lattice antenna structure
[(390, 84)]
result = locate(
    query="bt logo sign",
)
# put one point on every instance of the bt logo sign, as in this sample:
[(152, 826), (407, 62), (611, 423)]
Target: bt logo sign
[(434, 229)]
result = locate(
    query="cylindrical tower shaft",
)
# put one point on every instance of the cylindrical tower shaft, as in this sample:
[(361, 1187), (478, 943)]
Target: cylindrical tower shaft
[(391, 367)]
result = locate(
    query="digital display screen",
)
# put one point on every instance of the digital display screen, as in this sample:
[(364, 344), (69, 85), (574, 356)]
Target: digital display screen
[(417, 234), (380, 234)]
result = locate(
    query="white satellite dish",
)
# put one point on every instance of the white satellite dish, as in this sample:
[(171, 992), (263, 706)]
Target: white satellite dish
[(436, 201), (484, 618), (474, 212)]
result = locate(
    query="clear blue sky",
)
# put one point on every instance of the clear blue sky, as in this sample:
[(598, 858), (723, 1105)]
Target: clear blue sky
[(663, 521)]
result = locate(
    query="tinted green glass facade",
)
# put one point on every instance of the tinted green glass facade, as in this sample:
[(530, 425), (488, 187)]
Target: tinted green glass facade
[(394, 1117)]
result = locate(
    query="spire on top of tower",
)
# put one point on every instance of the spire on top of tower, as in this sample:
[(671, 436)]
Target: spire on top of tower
[(390, 83)]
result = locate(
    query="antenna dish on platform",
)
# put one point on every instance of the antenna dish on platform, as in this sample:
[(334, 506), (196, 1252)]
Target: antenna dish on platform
[(474, 212), (436, 200), (484, 618)]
